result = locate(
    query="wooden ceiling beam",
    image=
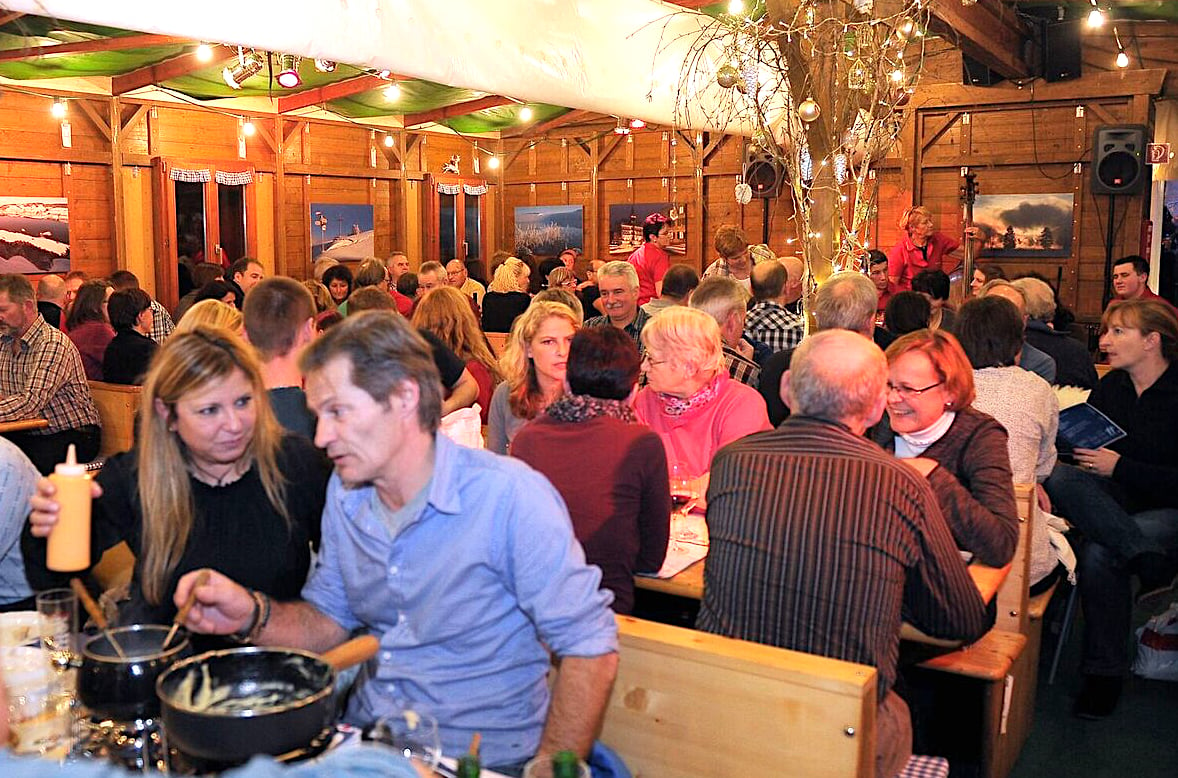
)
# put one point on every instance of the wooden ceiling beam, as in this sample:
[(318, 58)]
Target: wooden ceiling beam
[(11, 16), (88, 47), (458, 109), (572, 117), (991, 33), (166, 70), (336, 91)]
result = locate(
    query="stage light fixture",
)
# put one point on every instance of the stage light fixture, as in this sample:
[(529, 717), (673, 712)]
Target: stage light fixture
[(637, 124), (623, 127), (204, 53), (325, 65), (288, 71), (247, 65)]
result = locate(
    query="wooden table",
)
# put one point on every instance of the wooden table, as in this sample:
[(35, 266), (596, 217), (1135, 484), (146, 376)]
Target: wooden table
[(22, 425), (690, 583)]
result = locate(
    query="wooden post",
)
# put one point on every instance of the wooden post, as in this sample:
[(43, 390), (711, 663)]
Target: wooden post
[(281, 261), (119, 205)]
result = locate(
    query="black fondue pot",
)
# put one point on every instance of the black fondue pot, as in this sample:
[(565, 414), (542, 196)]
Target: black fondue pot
[(123, 688), (226, 706)]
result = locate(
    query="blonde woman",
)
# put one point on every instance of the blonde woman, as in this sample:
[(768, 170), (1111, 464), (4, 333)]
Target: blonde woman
[(533, 366), (921, 247), (507, 295), (211, 313), (446, 312), (211, 482)]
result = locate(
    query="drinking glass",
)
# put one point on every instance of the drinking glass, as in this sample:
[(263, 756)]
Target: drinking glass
[(412, 733), (541, 767), (684, 496), (59, 624)]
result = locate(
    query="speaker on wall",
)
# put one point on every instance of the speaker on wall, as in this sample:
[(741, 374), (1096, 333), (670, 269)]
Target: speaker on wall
[(1061, 51), (1118, 159), (763, 173), (974, 73)]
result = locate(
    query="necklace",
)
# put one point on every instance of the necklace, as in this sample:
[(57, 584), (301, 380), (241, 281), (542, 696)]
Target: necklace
[(231, 475)]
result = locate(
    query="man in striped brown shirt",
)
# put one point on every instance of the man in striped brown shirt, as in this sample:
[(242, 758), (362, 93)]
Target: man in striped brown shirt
[(821, 542)]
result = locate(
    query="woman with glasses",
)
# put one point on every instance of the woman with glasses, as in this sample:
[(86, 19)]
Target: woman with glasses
[(961, 451), (689, 400)]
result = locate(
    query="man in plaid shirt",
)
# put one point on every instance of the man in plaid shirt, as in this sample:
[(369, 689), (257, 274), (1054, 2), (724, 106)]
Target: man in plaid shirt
[(41, 376), (724, 300), (776, 285)]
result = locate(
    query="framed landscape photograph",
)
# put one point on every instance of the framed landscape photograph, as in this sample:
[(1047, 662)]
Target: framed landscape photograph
[(341, 231), (547, 230), (1024, 226), (34, 235)]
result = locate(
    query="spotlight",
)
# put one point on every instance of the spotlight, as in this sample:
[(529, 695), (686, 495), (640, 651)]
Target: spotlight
[(247, 65), (623, 127), (637, 124), (1095, 16), (58, 109), (392, 92), (493, 163), (325, 66), (288, 71), (384, 73), (525, 113), (248, 128), (204, 52)]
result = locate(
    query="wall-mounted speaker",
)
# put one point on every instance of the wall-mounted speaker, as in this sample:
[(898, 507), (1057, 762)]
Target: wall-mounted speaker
[(1061, 51), (974, 73), (1118, 159), (763, 172)]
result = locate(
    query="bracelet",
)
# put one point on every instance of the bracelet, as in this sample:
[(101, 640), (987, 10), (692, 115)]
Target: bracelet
[(266, 604), (244, 634)]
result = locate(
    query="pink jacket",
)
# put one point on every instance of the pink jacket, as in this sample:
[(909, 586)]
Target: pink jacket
[(694, 438)]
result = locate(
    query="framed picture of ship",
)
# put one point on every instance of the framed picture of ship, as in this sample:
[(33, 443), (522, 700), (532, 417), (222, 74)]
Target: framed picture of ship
[(548, 230), (34, 235), (625, 226), (342, 232), (1024, 226)]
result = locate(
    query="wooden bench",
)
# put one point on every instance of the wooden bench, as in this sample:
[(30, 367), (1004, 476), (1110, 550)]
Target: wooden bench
[(117, 406), (497, 341), (689, 704)]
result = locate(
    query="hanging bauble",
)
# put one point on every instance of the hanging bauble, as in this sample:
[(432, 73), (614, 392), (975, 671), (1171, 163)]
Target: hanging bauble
[(808, 110), (744, 193), (727, 76), (864, 6), (905, 29)]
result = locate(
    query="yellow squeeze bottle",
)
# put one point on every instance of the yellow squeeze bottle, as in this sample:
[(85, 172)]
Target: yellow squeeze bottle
[(69, 540)]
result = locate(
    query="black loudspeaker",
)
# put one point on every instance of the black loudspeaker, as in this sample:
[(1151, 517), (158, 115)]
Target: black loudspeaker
[(1061, 51), (1118, 160), (763, 173), (974, 73)]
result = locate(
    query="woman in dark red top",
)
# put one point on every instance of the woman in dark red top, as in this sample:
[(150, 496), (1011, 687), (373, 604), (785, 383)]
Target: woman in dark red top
[(88, 326), (610, 470)]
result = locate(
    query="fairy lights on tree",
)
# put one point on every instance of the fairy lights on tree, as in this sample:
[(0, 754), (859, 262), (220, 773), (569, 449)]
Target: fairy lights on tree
[(820, 85)]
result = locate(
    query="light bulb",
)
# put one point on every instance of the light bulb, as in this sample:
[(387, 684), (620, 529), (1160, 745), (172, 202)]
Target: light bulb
[(1095, 18), (204, 52), (493, 163), (526, 114), (388, 140), (392, 92), (247, 128), (58, 109), (735, 7), (1122, 59)]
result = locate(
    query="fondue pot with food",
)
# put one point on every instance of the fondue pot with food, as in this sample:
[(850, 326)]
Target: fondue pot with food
[(227, 706), (122, 688)]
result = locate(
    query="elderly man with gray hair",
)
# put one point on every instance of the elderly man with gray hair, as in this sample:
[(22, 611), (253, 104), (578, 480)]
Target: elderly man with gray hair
[(845, 301), (1073, 363), (864, 526), (724, 300), (617, 283), (1029, 358)]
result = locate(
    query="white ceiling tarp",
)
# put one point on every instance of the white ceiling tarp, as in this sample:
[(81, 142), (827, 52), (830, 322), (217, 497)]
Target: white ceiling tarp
[(620, 57)]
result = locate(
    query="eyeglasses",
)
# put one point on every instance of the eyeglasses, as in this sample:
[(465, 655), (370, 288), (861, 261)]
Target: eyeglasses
[(648, 359), (908, 392)]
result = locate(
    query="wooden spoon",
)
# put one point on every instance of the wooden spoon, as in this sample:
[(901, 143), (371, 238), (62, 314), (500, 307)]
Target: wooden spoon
[(182, 614), (352, 652), (95, 611)]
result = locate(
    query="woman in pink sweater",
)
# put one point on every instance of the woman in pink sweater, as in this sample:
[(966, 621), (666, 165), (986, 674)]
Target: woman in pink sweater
[(689, 400)]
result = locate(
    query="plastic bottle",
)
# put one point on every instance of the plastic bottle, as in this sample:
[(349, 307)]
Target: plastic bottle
[(566, 764), (468, 767), (69, 540)]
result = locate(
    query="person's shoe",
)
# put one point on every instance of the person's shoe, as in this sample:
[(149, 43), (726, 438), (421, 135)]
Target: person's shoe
[(1098, 697), (1157, 576)]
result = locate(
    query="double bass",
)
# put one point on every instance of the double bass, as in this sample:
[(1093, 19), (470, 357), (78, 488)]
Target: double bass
[(969, 193)]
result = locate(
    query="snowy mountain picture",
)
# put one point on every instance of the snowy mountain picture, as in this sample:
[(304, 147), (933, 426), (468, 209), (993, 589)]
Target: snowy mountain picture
[(34, 235)]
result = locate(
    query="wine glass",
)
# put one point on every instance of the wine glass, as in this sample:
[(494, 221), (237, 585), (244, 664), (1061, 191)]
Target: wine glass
[(59, 622), (684, 496), (410, 732)]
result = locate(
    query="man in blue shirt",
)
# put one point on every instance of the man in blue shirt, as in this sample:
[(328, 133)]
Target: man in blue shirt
[(463, 563), (17, 479)]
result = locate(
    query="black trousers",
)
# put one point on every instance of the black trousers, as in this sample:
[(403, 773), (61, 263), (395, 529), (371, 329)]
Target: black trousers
[(46, 451)]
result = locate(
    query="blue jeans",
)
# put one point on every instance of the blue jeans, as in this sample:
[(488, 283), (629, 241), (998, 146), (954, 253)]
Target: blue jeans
[(1090, 503), (1106, 592)]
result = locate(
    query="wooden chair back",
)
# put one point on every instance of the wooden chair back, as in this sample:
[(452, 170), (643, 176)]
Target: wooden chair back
[(1013, 610), (1102, 369), (117, 406), (688, 704), (497, 341)]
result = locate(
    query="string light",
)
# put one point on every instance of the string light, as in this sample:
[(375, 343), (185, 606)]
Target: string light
[(248, 128), (493, 163), (392, 92), (735, 7), (57, 109), (388, 141), (526, 113), (1122, 57), (204, 53), (1095, 16)]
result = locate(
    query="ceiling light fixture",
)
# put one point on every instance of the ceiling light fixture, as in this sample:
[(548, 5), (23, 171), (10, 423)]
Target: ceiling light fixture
[(1095, 16), (57, 109), (388, 140), (493, 163), (247, 65), (526, 114), (637, 124), (392, 92), (288, 71), (204, 53), (325, 65), (248, 128)]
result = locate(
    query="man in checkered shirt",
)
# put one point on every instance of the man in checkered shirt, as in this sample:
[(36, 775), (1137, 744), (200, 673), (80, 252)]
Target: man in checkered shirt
[(161, 323), (776, 285), (41, 376), (724, 300)]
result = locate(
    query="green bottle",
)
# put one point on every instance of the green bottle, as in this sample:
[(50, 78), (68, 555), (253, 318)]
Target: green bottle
[(468, 767), (566, 764)]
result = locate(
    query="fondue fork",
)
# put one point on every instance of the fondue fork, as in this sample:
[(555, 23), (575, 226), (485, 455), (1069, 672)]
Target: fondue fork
[(182, 614), (96, 614)]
